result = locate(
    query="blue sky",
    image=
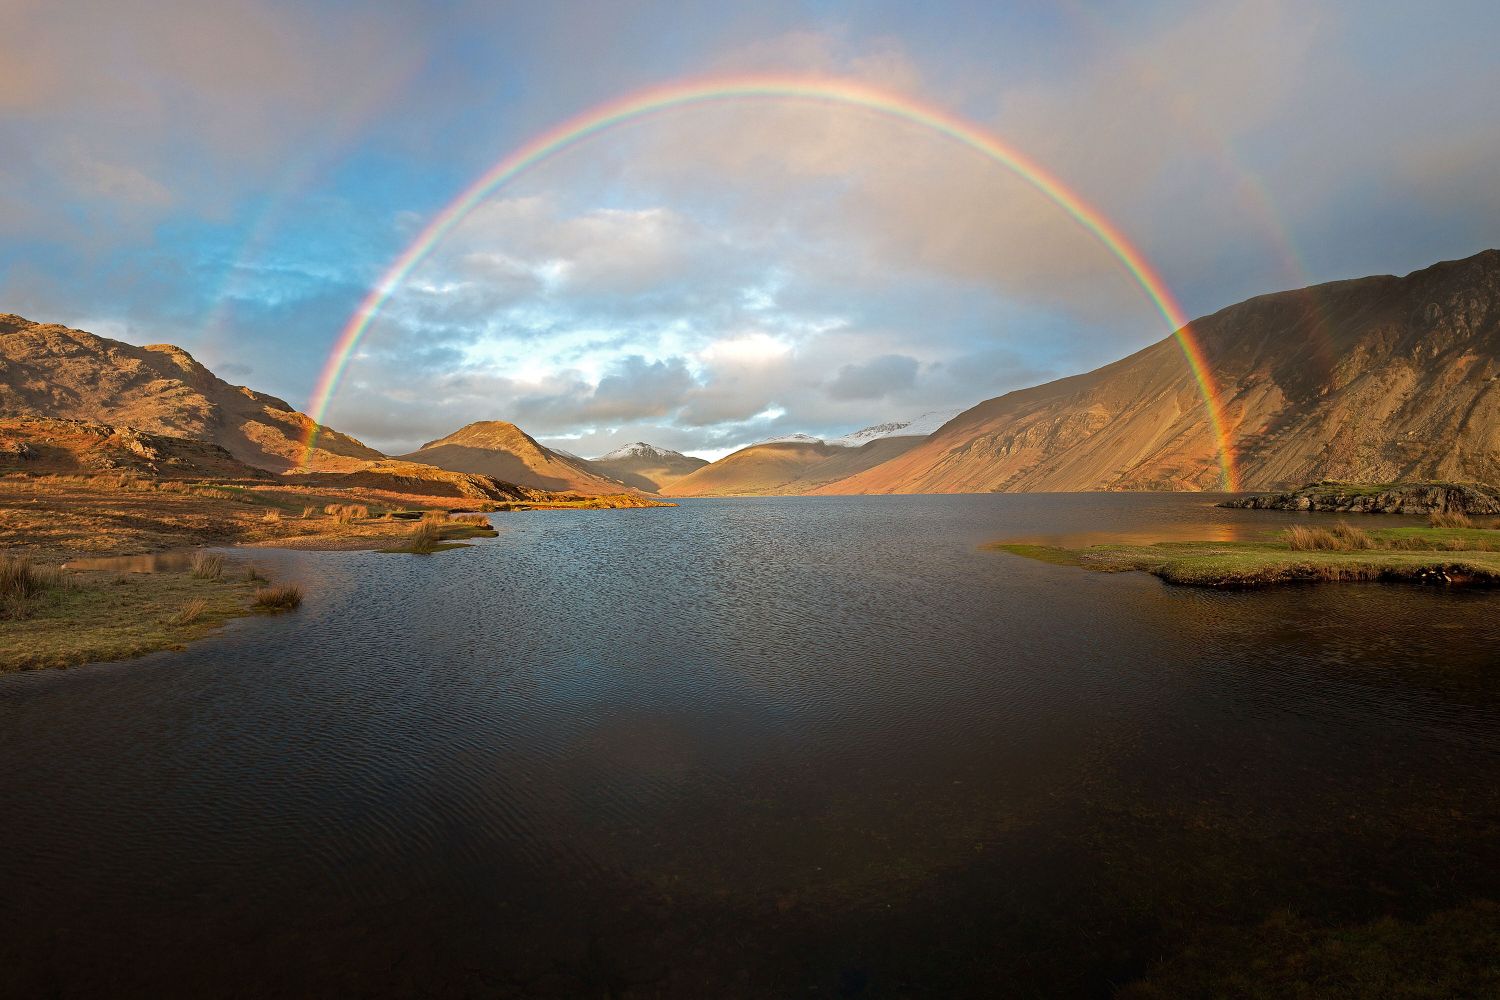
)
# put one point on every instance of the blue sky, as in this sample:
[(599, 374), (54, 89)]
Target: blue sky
[(233, 176)]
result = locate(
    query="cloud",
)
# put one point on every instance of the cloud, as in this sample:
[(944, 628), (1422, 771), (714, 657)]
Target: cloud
[(874, 379)]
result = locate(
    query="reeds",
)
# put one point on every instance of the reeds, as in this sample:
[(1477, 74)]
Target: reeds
[(271, 516), (207, 565), (308, 512), (1450, 519), (282, 597)]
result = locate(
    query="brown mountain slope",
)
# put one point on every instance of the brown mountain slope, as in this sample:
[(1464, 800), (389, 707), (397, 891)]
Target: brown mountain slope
[(1375, 380), (53, 371), (785, 468), (758, 469), (504, 451), (644, 467)]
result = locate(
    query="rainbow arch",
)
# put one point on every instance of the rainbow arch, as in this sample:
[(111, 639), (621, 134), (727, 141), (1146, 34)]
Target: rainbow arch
[(832, 91)]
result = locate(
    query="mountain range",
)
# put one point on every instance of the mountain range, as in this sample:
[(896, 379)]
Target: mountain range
[(1370, 380)]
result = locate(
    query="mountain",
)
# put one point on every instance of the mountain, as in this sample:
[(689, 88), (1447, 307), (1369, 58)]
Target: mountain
[(645, 466), (53, 371), (916, 427), (786, 467), (504, 451), (1374, 379)]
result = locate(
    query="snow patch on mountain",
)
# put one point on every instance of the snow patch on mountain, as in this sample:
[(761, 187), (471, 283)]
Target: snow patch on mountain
[(639, 449), (916, 427)]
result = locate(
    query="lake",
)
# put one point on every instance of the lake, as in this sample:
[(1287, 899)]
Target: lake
[(748, 747)]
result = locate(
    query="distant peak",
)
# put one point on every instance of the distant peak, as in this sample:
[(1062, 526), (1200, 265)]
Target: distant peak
[(792, 439), (639, 449)]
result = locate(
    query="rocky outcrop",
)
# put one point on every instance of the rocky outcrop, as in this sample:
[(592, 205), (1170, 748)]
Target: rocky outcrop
[(48, 370), (1396, 498)]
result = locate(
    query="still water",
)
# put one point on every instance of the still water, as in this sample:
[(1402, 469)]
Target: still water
[(761, 747)]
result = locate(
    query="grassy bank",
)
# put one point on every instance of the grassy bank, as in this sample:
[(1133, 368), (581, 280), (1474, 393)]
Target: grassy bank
[(1463, 555), (58, 618), (437, 532)]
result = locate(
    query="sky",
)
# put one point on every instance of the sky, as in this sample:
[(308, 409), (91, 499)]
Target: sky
[(235, 176)]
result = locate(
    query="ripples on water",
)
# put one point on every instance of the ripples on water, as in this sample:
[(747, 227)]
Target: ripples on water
[(746, 747)]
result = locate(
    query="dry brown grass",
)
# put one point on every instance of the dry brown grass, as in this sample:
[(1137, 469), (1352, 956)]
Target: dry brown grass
[(22, 582), (188, 614), (308, 512), (282, 597), (1300, 538), (271, 516), (1352, 538), (207, 565), (425, 538), (347, 513), (479, 520), (434, 517), (1450, 519)]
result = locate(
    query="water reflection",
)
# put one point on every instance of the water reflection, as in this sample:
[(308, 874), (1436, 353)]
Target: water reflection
[(155, 562)]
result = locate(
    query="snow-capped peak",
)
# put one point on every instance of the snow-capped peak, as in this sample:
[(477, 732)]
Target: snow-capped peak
[(638, 449), (917, 427), (792, 439)]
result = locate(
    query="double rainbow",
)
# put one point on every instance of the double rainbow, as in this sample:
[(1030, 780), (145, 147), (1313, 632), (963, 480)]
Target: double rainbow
[(841, 93)]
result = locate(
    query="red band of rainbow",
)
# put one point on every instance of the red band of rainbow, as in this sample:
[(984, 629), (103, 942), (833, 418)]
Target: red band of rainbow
[(829, 91)]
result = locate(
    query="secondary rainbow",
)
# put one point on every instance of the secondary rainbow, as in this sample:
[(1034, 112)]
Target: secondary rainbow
[(832, 91)]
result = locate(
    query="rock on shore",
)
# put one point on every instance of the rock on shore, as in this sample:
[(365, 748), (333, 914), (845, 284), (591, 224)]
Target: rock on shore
[(1389, 498)]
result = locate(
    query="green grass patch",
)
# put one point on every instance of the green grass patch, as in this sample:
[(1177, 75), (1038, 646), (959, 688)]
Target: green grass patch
[(104, 616), (1439, 555), (1041, 553)]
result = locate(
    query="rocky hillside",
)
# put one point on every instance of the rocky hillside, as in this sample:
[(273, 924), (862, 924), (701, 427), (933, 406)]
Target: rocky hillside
[(53, 371), (645, 466), (51, 446), (504, 451), (1378, 379)]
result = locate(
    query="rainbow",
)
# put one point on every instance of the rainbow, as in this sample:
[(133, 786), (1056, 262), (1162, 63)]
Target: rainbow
[(836, 92)]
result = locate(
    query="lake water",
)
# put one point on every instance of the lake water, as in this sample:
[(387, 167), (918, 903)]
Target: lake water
[(760, 747)]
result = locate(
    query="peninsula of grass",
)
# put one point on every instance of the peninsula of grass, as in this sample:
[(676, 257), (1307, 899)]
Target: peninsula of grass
[(61, 618), (1450, 555), (437, 532)]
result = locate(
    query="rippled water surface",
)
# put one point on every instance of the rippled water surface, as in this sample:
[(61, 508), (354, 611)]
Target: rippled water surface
[(761, 747)]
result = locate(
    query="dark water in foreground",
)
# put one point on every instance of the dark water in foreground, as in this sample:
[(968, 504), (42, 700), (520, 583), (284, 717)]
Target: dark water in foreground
[(762, 747)]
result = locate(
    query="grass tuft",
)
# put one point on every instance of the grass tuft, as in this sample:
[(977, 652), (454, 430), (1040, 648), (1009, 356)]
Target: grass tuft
[(425, 538), (282, 597), (1300, 538), (1450, 519), (1351, 538), (22, 582), (189, 613), (207, 565)]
